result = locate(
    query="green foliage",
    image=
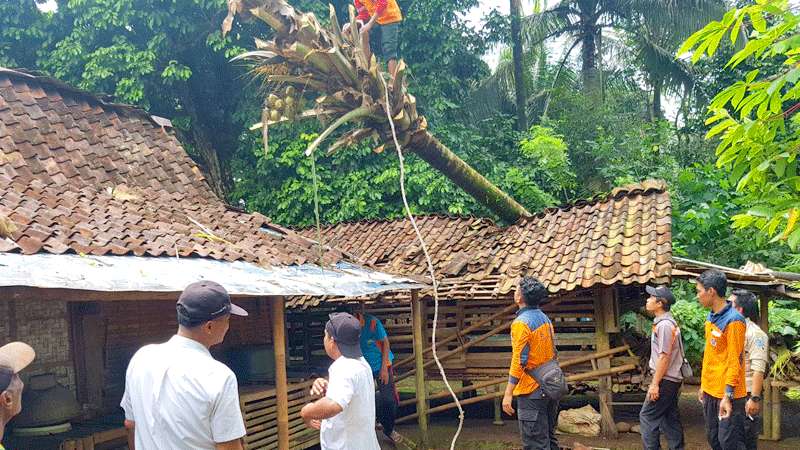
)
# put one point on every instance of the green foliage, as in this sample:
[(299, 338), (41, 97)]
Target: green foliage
[(757, 133), (23, 30)]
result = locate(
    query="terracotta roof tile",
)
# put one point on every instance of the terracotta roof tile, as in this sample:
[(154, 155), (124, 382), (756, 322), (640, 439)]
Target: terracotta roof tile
[(623, 237), (80, 175)]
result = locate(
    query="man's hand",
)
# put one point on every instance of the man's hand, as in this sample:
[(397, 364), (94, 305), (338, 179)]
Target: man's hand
[(314, 423), (320, 387), (700, 395), (725, 407), (507, 407), (384, 376), (752, 408), (652, 392)]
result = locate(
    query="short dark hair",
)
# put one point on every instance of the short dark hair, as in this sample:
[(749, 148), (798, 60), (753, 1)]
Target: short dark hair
[(713, 278), (533, 291), (748, 302), (664, 303)]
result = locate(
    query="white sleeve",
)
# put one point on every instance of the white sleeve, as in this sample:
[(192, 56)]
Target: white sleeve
[(126, 397), (340, 387), (227, 423)]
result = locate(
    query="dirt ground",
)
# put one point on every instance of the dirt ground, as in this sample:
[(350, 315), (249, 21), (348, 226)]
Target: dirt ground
[(480, 434)]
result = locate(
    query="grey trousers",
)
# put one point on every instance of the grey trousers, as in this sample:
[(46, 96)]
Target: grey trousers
[(537, 418), (662, 416)]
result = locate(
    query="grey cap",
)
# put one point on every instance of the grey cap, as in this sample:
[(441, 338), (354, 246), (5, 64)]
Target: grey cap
[(206, 300), (345, 330), (662, 292)]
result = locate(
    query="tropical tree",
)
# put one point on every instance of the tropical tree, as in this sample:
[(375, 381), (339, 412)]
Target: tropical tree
[(520, 93), (305, 60), (583, 22), (754, 118)]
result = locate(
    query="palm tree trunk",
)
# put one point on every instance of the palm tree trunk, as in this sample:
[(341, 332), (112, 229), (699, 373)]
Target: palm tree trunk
[(441, 158), (519, 79), (589, 73), (658, 86)]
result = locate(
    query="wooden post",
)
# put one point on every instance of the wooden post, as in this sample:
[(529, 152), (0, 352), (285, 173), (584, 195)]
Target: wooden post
[(418, 324), (281, 380), (775, 434), (766, 410), (602, 301), (498, 407)]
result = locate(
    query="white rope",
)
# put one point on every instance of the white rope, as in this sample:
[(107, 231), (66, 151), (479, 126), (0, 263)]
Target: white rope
[(430, 266)]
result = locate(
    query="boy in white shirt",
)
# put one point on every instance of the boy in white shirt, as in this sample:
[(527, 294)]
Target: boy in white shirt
[(345, 416)]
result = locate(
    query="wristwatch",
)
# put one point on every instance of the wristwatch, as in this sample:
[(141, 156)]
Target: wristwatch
[(755, 398), (729, 395)]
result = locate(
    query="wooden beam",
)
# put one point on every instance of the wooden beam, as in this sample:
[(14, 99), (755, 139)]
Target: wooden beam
[(77, 295), (418, 319), (764, 313), (460, 348), (602, 301), (439, 342), (281, 380)]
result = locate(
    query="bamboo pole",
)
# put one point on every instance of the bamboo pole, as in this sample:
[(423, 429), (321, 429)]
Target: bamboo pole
[(592, 356), (281, 380), (458, 391), (469, 329), (418, 330), (460, 348), (500, 393)]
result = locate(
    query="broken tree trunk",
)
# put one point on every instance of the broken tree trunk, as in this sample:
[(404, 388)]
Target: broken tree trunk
[(328, 68)]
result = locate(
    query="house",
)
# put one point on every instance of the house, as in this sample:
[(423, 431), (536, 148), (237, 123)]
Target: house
[(104, 219), (595, 257)]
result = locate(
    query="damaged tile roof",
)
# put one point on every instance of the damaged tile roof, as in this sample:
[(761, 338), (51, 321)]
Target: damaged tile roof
[(623, 237), (83, 176)]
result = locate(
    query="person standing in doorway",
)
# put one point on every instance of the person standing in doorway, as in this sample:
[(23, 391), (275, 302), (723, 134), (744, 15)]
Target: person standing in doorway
[(177, 396), (14, 357), (722, 384), (531, 346), (376, 350), (756, 350), (345, 415), (660, 413)]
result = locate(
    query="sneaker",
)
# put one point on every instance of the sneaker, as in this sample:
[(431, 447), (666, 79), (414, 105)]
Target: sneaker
[(395, 437)]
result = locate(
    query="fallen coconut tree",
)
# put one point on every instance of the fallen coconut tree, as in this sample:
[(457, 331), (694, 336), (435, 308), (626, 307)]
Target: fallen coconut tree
[(324, 73)]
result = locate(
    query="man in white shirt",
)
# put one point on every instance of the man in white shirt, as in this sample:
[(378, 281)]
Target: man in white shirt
[(756, 348), (345, 416), (177, 396)]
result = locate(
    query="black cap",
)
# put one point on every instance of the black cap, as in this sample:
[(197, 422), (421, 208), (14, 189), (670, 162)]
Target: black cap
[(205, 300), (345, 330), (662, 292)]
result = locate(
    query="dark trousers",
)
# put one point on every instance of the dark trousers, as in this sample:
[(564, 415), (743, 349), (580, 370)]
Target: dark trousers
[(752, 428), (537, 418), (662, 416), (386, 403), (726, 434)]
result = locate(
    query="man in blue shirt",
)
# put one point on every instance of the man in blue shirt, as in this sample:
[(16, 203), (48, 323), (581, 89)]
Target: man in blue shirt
[(375, 348)]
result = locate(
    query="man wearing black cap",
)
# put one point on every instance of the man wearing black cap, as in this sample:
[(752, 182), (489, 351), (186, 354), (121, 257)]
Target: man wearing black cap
[(345, 415), (660, 413), (177, 396), (13, 358)]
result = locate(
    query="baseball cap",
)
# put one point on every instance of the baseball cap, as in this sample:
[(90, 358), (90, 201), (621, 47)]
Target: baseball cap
[(206, 300), (661, 292), (345, 330), (14, 357)]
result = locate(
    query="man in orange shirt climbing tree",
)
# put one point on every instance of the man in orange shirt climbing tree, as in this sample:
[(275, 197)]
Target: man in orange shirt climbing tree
[(388, 16), (722, 383)]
